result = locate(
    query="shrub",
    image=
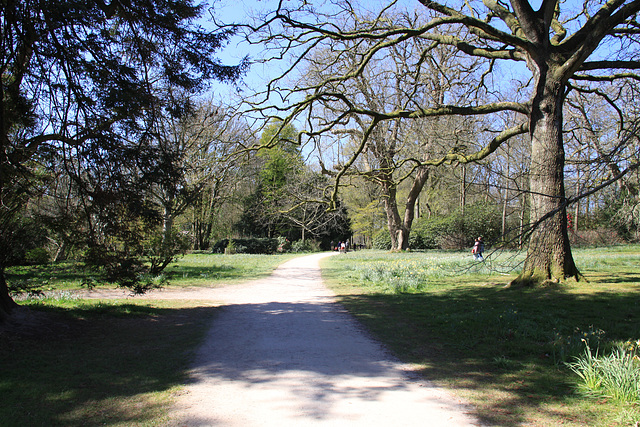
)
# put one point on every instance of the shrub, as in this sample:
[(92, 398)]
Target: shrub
[(431, 230), (382, 240), (231, 248), (284, 245), (247, 246), (458, 230), (37, 256), (305, 246), (18, 238), (596, 237), (416, 242)]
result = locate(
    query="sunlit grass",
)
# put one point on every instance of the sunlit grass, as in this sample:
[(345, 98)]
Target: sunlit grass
[(108, 362), (205, 269), (190, 270), (414, 271), (504, 349)]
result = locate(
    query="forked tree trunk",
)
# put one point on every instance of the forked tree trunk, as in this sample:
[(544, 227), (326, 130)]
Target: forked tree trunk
[(549, 255), (399, 235), (400, 229)]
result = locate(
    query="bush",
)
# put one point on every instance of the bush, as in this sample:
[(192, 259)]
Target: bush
[(247, 246), (458, 230), (596, 237), (615, 376), (431, 230), (382, 240), (19, 237), (231, 248), (305, 246), (416, 242), (284, 244), (37, 256)]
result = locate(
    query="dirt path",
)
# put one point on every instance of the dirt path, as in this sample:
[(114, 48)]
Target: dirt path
[(284, 353)]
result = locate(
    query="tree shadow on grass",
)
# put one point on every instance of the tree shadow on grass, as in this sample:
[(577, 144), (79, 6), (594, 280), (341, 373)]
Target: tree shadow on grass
[(617, 277), (505, 346), (96, 364)]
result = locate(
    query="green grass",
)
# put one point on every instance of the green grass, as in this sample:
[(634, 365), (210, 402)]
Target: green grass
[(503, 349), (108, 362), (91, 363), (121, 362), (190, 270), (208, 269)]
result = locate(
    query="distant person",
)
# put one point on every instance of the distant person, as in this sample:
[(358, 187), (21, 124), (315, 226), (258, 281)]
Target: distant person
[(343, 247), (478, 249)]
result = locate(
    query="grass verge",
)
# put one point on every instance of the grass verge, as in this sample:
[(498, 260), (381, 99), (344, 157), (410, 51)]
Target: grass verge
[(503, 349)]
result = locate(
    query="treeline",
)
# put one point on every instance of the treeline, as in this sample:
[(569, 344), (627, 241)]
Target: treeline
[(195, 192)]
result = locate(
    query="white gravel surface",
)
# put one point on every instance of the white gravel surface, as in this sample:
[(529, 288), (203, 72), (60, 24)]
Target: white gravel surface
[(282, 352)]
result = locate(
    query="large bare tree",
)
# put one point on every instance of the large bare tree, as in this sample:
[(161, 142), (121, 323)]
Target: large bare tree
[(554, 50), (396, 150)]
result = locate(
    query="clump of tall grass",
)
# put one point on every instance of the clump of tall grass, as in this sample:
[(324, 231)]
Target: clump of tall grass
[(568, 347), (615, 376)]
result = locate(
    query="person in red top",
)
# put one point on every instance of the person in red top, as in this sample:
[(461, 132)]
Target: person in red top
[(478, 249)]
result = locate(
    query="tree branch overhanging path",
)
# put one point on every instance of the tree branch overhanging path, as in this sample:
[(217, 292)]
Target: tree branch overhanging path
[(341, 53), (283, 352)]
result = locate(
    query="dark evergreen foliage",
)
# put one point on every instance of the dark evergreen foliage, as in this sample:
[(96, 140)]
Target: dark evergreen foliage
[(79, 90), (248, 246)]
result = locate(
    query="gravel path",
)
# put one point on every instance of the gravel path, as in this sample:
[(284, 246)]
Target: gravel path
[(282, 352)]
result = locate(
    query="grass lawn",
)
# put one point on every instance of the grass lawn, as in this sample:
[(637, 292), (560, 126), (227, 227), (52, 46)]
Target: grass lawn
[(502, 349), (94, 363), (201, 269), (121, 362), (108, 362)]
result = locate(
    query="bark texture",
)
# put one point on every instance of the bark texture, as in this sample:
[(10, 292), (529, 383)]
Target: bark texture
[(549, 256)]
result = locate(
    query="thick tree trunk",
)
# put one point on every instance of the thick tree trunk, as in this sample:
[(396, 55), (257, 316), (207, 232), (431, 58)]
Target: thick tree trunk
[(505, 199), (167, 225), (463, 188), (549, 255)]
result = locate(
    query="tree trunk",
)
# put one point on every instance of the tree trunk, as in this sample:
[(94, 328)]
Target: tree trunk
[(505, 201), (523, 213), (394, 223), (400, 229), (422, 175), (7, 304), (549, 255), (167, 226), (463, 189)]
